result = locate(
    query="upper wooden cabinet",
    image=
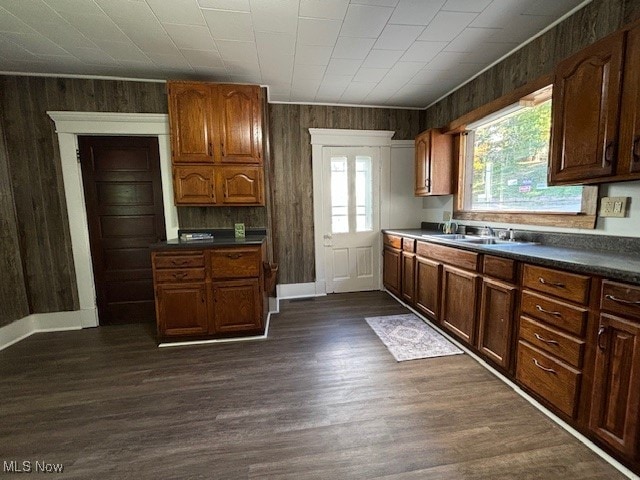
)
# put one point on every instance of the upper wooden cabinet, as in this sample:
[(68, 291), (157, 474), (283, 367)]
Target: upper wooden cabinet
[(434, 162), (596, 113), (216, 127)]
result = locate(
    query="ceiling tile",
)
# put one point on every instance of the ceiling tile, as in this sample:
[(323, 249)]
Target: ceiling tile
[(277, 72), (275, 15), (11, 51), (170, 60), (11, 23), (370, 74), (190, 36), (467, 5), (308, 72), (280, 43), (415, 12), (333, 9), (279, 88), (226, 25), (317, 31), (520, 28), (365, 21), (498, 14), (403, 71), (469, 39), (96, 27), (313, 55), (232, 51), (65, 36), (446, 60), (202, 58), (427, 76), (77, 7), (279, 97), (398, 37), (352, 47), (177, 11), (356, 92), (423, 51), (445, 26), (123, 51), (34, 43), (382, 58), (342, 66), (151, 43), (93, 56), (235, 5), (378, 3)]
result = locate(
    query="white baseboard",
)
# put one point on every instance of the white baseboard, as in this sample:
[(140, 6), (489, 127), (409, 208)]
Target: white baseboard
[(45, 322), (301, 290), (564, 425)]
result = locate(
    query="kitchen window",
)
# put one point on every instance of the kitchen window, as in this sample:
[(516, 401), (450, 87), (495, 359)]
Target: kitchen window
[(504, 162)]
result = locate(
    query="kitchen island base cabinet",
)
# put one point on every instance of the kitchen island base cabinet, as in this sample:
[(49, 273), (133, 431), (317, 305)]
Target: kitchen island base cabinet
[(459, 302), (237, 306), (182, 309)]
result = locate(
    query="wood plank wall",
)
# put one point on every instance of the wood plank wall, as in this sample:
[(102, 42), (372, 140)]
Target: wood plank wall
[(292, 187), (35, 181), (535, 59)]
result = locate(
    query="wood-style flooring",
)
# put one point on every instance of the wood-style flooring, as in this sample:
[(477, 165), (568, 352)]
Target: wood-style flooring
[(321, 398)]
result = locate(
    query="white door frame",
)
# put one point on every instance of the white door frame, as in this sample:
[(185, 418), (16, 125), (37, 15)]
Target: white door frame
[(329, 137), (68, 126)]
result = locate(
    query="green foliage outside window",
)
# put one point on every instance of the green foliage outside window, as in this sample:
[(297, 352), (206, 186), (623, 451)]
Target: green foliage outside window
[(510, 158)]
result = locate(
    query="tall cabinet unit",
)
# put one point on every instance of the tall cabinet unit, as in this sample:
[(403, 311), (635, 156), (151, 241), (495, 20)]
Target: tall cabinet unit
[(216, 144)]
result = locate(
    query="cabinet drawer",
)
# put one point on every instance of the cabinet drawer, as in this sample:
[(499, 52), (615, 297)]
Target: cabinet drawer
[(620, 298), (235, 262), (553, 380), (498, 267), (452, 256), (568, 286), (392, 240), (409, 245), (554, 312), (553, 341), (180, 275), (177, 260)]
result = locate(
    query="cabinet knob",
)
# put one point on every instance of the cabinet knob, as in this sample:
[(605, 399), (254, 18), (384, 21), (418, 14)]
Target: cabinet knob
[(234, 256), (210, 149), (636, 149), (609, 152)]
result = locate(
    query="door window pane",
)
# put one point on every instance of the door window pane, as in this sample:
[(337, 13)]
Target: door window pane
[(364, 210), (339, 195)]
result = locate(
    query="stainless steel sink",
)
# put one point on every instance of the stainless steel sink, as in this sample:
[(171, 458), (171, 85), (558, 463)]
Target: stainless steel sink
[(455, 236)]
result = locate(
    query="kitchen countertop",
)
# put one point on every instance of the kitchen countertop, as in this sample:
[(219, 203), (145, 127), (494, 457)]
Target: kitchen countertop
[(217, 241), (617, 266)]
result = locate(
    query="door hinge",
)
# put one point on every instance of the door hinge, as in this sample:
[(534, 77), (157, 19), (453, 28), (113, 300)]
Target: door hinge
[(78, 154)]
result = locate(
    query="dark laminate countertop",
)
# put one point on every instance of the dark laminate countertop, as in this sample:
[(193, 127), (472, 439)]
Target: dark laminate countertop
[(619, 266), (218, 241)]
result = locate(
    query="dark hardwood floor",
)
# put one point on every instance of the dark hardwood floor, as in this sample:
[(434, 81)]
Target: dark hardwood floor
[(320, 398)]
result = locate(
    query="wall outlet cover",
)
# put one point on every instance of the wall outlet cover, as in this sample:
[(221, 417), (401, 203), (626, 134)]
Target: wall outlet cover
[(614, 206)]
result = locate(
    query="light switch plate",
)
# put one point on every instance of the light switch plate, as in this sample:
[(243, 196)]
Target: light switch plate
[(613, 207)]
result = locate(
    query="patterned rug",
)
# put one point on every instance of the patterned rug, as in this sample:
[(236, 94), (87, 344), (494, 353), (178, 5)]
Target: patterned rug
[(408, 338)]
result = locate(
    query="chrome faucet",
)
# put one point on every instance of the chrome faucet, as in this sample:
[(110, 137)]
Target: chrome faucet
[(488, 231)]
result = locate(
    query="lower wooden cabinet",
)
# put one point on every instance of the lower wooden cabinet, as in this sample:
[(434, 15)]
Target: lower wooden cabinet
[(212, 292), (459, 302), (427, 287), (392, 269), (182, 309), (408, 273), (495, 324)]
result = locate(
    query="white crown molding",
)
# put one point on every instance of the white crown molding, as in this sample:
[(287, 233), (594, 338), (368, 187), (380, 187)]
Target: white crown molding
[(81, 123), (342, 137)]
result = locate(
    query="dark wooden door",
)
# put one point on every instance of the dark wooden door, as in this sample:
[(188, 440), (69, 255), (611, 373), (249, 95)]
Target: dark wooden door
[(423, 142), (496, 320), (240, 123), (408, 276), (192, 122), (586, 99), (616, 388), (182, 310), (629, 161), (428, 274), (123, 196), (241, 185), (237, 306), (391, 270), (459, 301)]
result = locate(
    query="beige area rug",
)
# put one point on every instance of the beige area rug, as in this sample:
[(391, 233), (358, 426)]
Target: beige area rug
[(409, 338)]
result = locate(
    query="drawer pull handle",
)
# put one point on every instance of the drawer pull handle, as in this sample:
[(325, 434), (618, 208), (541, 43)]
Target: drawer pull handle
[(549, 312), (550, 370), (234, 256), (545, 282), (542, 339), (179, 262), (179, 275), (622, 300), (601, 331)]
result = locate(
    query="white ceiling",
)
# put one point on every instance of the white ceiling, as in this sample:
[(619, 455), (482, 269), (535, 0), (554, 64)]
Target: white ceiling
[(404, 53)]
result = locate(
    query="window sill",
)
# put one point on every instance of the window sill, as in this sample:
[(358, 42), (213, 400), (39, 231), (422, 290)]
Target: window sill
[(567, 220)]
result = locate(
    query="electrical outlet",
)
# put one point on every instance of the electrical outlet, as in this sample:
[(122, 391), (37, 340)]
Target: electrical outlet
[(446, 216), (613, 206)]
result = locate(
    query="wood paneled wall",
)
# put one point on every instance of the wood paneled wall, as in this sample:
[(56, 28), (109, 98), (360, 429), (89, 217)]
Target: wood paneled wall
[(535, 59), (35, 182), (292, 184)]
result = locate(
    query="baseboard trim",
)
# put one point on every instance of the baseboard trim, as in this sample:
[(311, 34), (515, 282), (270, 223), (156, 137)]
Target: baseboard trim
[(44, 322), (300, 290), (561, 423)]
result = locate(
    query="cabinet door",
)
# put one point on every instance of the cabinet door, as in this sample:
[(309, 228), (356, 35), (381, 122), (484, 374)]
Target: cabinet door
[(240, 185), (391, 270), (194, 185), (496, 321), (182, 310), (459, 302), (423, 159), (191, 119), (586, 95), (237, 306), (408, 276), (427, 294), (615, 407), (240, 121), (629, 155)]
